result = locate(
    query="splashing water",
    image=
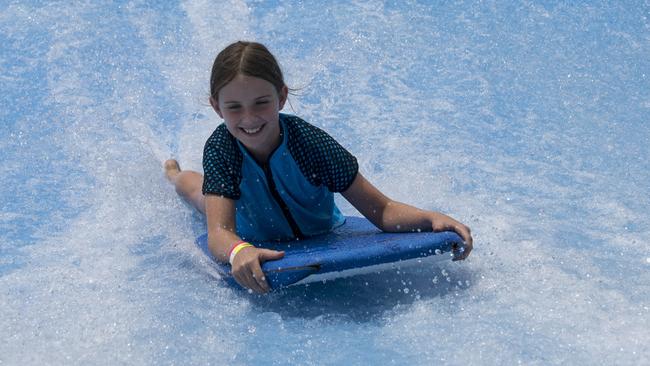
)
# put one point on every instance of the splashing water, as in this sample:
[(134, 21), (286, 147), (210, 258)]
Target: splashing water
[(528, 122)]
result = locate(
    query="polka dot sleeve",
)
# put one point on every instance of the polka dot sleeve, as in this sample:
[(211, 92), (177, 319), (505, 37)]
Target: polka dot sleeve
[(322, 160), (222, 162)]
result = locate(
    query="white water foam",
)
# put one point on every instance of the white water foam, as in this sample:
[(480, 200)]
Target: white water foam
[(525, 121)]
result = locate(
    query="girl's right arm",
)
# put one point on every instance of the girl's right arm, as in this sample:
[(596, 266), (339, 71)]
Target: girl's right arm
[(246, 265)]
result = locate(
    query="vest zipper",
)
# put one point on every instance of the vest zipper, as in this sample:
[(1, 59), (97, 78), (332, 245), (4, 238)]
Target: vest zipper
[(278, 199)]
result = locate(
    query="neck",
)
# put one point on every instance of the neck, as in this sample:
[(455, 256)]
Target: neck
[(263, 154)]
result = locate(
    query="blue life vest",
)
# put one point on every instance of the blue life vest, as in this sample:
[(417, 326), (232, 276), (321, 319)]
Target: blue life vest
[(292, 195)]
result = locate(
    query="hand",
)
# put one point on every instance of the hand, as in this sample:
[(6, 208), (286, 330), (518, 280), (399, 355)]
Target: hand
[(247, 267), (445, 223)]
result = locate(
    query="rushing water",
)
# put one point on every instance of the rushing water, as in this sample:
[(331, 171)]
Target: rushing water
[(527, 121)]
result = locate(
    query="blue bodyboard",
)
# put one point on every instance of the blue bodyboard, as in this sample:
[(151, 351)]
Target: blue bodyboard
[(355, 245)]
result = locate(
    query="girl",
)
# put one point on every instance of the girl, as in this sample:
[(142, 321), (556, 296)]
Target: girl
[(271, 176)]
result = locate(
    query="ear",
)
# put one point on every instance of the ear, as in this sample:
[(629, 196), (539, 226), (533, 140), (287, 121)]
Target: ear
[(215, 105), (284, 93)]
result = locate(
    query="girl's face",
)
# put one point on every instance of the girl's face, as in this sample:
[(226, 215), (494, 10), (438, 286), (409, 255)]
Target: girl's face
[(250, 107)]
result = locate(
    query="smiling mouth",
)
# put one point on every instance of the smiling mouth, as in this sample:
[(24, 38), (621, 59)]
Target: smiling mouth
[(251, 131)]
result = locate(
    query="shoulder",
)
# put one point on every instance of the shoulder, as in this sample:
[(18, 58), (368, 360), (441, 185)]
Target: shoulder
[(297, 124), (222, 145), (221, 137), (322, 160), (303, 135), (222, 161)]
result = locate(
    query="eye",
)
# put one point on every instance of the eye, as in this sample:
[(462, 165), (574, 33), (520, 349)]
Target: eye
[(233, 107), (260, 102)]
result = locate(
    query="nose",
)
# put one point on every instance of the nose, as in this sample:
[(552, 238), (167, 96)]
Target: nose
[(247, 115)]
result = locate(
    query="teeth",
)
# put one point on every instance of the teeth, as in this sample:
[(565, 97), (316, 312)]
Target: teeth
[(252, 130)]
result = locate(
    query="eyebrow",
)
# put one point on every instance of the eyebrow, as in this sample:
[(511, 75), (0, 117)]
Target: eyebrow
[(236, 102)]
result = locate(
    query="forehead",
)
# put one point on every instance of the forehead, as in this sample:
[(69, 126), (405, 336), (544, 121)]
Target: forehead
[(244, 87)]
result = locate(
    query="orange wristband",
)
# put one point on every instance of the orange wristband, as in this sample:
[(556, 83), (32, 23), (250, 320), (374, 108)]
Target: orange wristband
[(236, 248)]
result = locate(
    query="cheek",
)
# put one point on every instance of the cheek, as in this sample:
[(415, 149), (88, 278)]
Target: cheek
[(229, 115), (270, 109), (230, 123)]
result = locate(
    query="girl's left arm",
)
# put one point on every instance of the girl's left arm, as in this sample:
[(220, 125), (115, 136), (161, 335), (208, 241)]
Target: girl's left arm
[(393, 216)]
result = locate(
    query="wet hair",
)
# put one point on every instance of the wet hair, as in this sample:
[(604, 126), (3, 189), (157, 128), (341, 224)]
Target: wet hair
[(246, 58)]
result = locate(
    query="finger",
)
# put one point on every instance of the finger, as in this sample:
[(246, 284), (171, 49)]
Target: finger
[(245, 261), (464, 233), (457, 250), (241, 280), (270, 255), (461, 252), (252, 283), (244, 278), (260, 279), (468, 249)]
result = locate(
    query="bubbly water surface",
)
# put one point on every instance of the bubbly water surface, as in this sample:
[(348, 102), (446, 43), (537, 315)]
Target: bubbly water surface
[(529, 121)]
